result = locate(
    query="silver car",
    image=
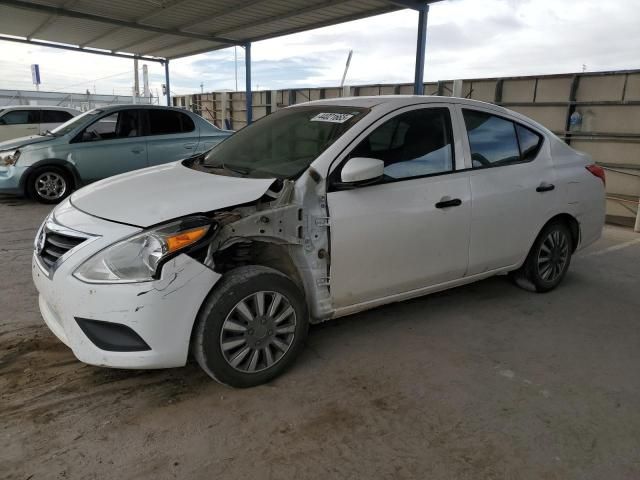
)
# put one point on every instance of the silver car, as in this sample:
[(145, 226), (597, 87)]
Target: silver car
[(99, 144)]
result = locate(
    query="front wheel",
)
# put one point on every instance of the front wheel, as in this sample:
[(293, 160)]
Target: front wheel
[(49, 184), (251, 327), (548, 261)]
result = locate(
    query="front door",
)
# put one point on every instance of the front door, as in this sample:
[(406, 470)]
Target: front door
[(411, 230), (109, 146)]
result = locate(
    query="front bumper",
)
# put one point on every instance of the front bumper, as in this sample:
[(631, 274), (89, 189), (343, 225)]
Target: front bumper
[(10, 179), (161, 312)]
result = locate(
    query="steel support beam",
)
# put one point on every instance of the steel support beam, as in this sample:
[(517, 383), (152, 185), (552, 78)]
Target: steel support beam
[(166, 78), (249, 93), (79, 49), (421, 45)]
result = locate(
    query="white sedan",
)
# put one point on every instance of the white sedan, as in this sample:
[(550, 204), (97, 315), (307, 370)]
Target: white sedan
[(314, 212)]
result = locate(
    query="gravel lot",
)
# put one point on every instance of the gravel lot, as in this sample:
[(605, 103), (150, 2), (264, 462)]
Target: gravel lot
[(484, 381)]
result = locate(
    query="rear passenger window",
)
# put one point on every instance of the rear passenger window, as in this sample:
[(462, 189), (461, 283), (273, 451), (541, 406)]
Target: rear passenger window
[(55, 116), (492, 139), (529, 142), (20, 117), (166, 122), (412, 144)]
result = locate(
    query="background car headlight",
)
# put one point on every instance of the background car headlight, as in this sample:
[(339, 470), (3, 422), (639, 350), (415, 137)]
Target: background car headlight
[(137, 258), (9, 157)]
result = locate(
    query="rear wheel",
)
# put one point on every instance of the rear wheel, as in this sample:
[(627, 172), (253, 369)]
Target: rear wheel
[(548, 261), (251, 327), (49, 184)]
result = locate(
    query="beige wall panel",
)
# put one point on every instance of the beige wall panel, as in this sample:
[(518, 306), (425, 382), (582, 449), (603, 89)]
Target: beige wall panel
[(553, 89), (259, 112), (333, 93), (623, 184), (618, 210), (610, 152), (633, 87), (406, 89), (365, 91), (430, 88), (609, 119), (314, 94), (484, 90), (387, 90), (518, 90), (551, 117), (600, 88)]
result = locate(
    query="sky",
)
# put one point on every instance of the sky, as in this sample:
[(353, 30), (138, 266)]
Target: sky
[(465, 39)]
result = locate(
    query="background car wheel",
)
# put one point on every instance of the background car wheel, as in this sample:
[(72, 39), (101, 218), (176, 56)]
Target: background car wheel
[(251, 327), (49, 184), (548, 260)]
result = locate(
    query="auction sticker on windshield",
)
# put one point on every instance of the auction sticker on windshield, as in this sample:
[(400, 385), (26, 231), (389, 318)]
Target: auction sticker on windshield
[(332, 117)]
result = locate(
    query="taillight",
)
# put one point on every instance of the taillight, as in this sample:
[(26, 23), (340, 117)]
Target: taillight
[(597, 171)]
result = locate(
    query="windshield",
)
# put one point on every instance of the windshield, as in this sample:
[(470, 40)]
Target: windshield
[(75, 122), (285, 143)]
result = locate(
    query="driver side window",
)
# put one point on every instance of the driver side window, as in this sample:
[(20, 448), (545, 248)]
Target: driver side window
[(121, 124), (412, 144)]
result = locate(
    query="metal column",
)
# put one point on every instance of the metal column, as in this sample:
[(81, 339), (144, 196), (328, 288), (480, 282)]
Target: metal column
[(248, 95), (418, 83), (166, 75)]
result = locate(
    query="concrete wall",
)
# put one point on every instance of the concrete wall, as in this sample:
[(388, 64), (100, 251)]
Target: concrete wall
[(609, 103)]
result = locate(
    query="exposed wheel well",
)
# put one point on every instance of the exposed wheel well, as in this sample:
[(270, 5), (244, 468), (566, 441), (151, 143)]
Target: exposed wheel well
[(252, 252), (571, 222)]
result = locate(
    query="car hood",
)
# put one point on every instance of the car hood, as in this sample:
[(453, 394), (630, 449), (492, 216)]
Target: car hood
[(24, 141), (153, 195)]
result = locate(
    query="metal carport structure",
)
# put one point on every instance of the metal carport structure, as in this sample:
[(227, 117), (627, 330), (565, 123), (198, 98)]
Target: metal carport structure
[(166, 30)]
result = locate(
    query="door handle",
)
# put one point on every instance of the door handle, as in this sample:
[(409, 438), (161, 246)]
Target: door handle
[(137, 149), (189, 146), (545, 187), (454, 202)]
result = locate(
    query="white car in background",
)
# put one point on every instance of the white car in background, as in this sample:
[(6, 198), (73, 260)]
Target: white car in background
[(26, 120), (314, 212)]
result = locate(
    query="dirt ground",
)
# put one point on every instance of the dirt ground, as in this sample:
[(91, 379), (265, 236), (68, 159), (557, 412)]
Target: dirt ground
[(482, 382)]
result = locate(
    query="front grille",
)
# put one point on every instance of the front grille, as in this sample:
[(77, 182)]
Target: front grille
[(56, 245)]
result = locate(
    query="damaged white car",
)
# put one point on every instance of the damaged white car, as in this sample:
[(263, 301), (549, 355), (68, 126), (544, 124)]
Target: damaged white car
[(314, 212)]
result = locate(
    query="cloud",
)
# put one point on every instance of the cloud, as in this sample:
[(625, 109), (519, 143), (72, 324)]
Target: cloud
[(466, 39)]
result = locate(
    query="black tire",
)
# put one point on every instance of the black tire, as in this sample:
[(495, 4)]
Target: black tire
[(59, 180), (220, 322), (541, 272)]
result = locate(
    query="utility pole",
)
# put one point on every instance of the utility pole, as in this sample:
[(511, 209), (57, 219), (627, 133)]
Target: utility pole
[(235, 53), (136, 81), (346, 68)]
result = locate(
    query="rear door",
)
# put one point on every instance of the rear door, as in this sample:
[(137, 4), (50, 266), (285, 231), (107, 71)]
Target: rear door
[(19, 123), (50, 119), (109, 146), (512, 188), (411, 230), (170, 134)]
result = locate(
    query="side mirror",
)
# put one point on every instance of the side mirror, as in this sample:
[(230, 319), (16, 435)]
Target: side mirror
[(362, 170)]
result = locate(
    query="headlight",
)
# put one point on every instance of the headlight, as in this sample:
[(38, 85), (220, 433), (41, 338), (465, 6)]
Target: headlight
[(137, 258), (9, 157)]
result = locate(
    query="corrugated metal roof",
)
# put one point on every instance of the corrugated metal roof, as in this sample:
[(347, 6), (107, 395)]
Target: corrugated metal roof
[(178, 28)]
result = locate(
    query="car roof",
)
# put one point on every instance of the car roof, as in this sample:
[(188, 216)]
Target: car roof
[(392, 102), (121, 106), (398, 101), (37, 107)]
